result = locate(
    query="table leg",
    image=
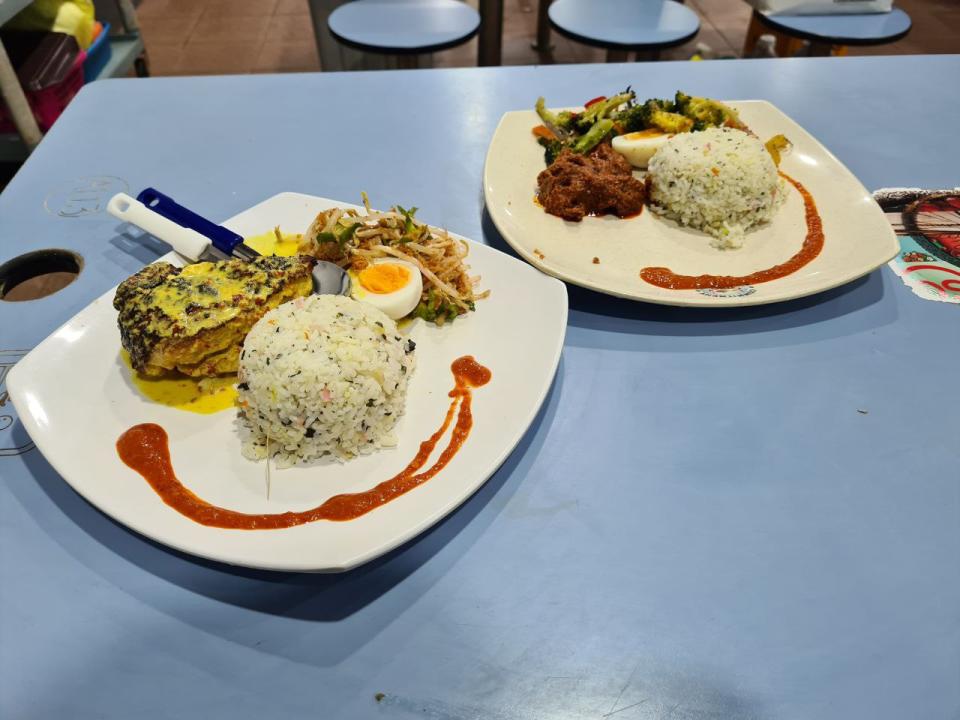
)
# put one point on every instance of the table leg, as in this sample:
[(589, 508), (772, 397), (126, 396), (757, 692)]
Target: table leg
[(543, 27), (491, 33)]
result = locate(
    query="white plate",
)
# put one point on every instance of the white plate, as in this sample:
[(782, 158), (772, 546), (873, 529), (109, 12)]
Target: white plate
[(75, 399), (858, 238)]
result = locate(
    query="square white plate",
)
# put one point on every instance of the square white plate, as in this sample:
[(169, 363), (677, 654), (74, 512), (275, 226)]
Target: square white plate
[(75, 398), (858, 238)]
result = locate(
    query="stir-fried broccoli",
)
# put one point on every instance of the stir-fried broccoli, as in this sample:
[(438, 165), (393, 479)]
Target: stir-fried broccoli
[(593, 137), (601, 109), (659, 114), (670, 122), (561, 123), (706, 113), (620, 113), (653, 113), (551, 149), (633, 118), (580, 132)]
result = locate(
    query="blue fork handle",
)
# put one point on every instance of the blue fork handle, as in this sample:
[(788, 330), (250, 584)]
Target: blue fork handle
[(223, 239)]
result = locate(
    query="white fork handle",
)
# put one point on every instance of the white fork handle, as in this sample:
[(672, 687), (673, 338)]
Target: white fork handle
[(185, 241)]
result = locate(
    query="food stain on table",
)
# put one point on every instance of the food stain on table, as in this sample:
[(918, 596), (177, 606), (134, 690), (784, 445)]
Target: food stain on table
[(145, 449), (205, 395), (812, 245)]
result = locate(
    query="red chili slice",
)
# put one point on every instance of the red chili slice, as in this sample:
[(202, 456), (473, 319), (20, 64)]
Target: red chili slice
[(599, 98)]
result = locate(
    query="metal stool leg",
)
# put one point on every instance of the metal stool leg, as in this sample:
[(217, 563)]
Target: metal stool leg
[(141, 66), (786, 46), (490, 37), (754, 31), (543, 27), (820, 49)]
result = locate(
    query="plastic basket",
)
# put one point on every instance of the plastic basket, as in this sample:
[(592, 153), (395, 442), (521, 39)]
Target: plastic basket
[(48, 100), (98, 55), (49, 103)]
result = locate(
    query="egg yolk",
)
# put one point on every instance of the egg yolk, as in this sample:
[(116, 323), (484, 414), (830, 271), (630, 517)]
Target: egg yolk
[(643, 134), (384, 278)]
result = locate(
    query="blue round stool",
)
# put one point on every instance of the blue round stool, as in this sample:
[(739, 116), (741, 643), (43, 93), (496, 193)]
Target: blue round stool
[(825, 31), (621, 26), (405, 28)]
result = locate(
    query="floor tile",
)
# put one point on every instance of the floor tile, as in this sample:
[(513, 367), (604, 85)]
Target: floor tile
[(290, 29), (287, 57), (230, 29), (164, 59), (291, 7), (237, 8), (168, 30), (218, 58), (150, 9)]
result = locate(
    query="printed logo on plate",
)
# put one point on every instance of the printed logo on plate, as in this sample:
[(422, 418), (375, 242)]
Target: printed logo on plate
[(739, 291)]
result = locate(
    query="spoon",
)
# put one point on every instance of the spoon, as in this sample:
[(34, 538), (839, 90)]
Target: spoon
[(200, 240)]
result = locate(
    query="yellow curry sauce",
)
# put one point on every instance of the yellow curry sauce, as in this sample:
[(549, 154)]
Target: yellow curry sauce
[(268, 243), (199, 395)]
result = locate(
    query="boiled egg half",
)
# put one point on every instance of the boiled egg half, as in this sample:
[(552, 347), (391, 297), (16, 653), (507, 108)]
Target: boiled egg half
[(639, 147), (392, 286)]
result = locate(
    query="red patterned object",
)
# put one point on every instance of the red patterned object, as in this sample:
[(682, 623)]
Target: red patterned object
[(937, 218)]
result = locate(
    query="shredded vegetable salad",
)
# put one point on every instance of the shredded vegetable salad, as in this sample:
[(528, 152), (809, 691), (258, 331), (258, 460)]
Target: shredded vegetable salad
[(352, 240)]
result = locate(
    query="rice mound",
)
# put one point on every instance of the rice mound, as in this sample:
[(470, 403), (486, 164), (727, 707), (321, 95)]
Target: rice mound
[(321, 375), (722, 181)]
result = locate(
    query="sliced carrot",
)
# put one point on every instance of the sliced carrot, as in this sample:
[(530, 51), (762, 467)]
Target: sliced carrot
[(544, 132)]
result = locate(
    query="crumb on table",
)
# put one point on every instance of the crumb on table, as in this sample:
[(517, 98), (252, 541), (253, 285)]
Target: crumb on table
[(596, 261)]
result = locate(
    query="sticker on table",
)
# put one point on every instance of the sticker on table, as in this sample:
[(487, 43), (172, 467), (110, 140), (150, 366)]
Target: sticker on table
[(13, 438), (84, 196), (927, 223)]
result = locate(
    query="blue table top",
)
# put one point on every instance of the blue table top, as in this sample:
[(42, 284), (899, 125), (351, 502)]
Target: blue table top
[(404, 25), (870, 29), (701, 522), (625, 23)]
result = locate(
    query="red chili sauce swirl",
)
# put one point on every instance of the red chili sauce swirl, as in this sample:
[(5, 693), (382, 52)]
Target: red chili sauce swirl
[(812, 245), (144, 448)]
